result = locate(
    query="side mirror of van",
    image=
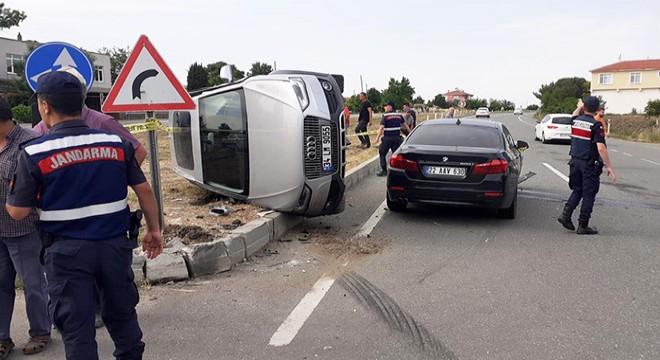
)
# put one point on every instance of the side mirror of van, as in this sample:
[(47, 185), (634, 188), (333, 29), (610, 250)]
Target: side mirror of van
[(226, 73)]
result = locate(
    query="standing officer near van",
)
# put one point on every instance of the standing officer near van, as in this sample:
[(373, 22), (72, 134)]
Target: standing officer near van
[(78, 177), (390, 131), (588, 156)]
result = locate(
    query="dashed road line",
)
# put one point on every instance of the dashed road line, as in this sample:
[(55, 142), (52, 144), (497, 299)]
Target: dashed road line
[(614, 150), (290, 327), (652, 162), (626, 154), (559, 173), (369, 226)]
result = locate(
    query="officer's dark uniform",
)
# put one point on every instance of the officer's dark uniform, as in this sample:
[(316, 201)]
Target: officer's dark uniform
[(391, 137), (586, 166), (80, 178)]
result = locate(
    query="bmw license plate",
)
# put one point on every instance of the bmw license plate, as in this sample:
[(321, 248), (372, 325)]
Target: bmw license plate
[(445, 171), (326, 148)]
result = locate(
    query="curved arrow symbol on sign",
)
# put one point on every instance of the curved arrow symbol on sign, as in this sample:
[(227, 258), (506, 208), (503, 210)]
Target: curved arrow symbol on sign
[(137, 83)]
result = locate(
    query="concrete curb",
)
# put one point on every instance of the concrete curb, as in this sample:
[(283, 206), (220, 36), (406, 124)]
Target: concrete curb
[(181, 262)]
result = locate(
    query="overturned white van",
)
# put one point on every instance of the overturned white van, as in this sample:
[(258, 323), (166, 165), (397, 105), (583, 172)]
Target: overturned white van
[(275, 140)]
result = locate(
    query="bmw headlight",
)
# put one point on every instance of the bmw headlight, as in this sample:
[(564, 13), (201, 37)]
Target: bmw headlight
[(301, 92)]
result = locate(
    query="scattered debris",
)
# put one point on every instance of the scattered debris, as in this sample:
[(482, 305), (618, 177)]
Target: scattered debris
[(221, 211)]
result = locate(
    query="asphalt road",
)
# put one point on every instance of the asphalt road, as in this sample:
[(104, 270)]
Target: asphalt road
[(448, 283)]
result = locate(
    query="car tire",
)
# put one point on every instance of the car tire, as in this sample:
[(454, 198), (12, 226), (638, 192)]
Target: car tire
[(396, 206), (543, 139), (510, 212)]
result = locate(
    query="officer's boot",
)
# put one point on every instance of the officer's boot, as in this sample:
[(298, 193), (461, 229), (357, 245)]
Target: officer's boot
[(565, 218), (584, 229)]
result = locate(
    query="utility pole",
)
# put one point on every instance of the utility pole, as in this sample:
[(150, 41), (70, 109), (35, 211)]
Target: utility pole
[(361, 87)]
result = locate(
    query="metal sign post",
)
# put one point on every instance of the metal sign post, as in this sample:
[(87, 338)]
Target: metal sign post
[(152, 139)]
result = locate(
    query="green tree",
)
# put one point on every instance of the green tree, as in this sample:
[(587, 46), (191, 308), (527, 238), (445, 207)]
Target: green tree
[(214, 73), (353, 104), (475, 103), (260, 69), (198, 77), (440, 101), (532, 107), (653, 109), (16, 91), (118, 57), (375, 98), (22, 113), (400, 92), (9, 17), (418, 100), (562, 95)]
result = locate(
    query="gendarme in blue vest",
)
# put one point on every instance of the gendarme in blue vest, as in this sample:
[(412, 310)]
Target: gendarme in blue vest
[(82, 176), (585, 133)]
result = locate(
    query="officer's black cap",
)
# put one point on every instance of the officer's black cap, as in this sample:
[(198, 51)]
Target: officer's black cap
[(592, 103), (59, 83), (390, 103)]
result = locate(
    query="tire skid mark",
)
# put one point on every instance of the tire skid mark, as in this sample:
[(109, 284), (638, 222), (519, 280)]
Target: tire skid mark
[(397, 319)]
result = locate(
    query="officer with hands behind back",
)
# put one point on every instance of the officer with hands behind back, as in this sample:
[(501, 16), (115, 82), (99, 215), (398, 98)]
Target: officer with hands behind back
[(78, 178), (588, 156)]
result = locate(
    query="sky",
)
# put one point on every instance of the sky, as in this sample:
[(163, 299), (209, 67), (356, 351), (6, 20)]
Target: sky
[(492, 49)]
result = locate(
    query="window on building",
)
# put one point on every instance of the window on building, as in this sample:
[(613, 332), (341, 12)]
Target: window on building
[(12, 62), (605, 79), (98, 73), (635, 77)]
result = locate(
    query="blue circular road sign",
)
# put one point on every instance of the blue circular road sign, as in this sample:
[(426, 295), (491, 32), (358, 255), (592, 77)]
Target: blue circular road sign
[(52, 57)]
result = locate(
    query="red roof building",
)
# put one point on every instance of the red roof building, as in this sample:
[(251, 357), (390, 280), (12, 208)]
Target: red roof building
[(627, 85), (459, 95)]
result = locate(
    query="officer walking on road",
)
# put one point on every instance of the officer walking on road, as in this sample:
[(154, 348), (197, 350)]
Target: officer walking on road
[(588, 156), (78, 177), (390, 132)]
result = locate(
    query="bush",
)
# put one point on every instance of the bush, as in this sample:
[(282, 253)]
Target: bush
[(533, 107), (652, 108), (633, 111), (22, 113)]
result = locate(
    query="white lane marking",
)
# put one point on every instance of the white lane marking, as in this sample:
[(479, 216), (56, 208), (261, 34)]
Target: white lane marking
[(564, 177), (626, 154), (614, 150), (652, 162), (373, 220), (290, 327), (525, 122)]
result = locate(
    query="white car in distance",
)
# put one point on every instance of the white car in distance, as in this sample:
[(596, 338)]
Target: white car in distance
[(554, 127), (482, 112), (517, 111)]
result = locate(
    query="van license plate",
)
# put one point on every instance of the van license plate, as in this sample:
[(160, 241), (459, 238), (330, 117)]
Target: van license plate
[(326, 148)]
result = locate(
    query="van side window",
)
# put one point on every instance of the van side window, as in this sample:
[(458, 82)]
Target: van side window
[(182, 139), (224, 141)]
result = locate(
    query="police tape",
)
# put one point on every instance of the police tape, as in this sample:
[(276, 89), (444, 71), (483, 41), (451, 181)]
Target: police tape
[(150, 124), (372, 132)]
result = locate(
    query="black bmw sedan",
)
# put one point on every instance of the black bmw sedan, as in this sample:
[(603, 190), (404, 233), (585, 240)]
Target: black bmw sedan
[(457, 162)]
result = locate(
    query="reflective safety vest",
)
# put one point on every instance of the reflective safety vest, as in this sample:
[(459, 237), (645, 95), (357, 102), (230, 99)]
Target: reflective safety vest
[(392, 122), (583, 145), (84, 183)]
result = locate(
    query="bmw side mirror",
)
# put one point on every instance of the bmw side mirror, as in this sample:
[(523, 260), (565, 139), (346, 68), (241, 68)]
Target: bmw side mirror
[(522, 145)]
